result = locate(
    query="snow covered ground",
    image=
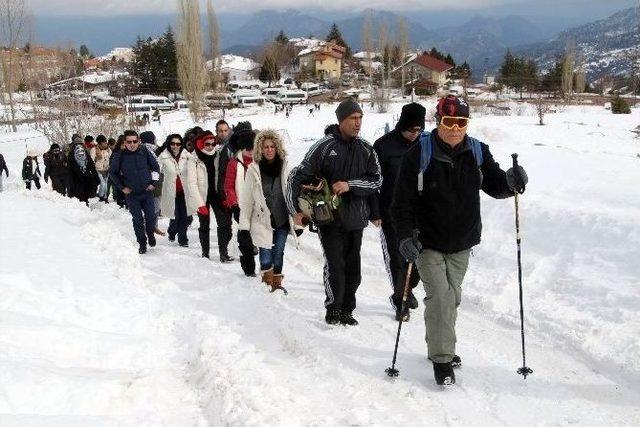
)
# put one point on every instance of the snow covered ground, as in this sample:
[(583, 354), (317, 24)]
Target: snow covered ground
[(95, 335)]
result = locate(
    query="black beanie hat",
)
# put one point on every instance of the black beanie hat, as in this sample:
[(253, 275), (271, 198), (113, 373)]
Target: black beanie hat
[(101, 138), (347, 108), (243, 136), (147, 137), (412, 115)]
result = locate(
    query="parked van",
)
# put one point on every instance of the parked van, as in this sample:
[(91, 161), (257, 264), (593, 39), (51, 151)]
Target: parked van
[(312, 89), (148, 103), (250, 101), (291, 97), (244, 93), (105, 102), (235, 85), (218, 100), (271, 93)]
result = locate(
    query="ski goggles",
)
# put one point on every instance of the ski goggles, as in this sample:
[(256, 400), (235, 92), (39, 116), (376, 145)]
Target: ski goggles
[(449, 122)]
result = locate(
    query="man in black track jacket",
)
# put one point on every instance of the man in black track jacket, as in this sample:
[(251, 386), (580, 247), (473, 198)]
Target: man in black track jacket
[(390, 148), (436, 212), (350, 167)]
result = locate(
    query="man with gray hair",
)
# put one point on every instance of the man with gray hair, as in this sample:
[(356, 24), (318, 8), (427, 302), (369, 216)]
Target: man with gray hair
[(347, 164)]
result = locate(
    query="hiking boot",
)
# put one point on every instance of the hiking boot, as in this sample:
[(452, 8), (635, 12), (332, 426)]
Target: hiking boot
[(172, 237), (184, 244), (276, 283), (333, 316), (456, 362), (412, 302), (346, 318), (152, 241), (443, 373), (267, 277), (224, 258), (142, 249)]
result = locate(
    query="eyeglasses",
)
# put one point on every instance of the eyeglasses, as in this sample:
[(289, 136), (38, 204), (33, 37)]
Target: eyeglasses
[(131, 141), (449, 122)]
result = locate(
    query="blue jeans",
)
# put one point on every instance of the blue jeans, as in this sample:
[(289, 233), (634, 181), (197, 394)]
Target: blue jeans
[(274, 257), (143, 226)]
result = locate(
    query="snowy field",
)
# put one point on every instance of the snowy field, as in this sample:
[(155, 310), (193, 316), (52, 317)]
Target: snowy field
[(95, 335)]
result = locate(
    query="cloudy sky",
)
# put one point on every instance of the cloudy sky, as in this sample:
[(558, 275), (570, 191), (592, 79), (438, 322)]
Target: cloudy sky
[(125, 7)]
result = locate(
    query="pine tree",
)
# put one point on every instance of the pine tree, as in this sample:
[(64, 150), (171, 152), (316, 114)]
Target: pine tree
[(282, 38), (84, 51), (336, 36)]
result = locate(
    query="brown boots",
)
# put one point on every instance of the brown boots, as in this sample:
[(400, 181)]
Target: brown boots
[(273, 280)]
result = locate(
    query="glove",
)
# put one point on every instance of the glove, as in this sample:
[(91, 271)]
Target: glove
[(517, 179), (410, 247), (203, 210), (299, 232), (235, 211)]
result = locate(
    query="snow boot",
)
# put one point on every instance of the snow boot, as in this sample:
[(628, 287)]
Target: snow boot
[(412, 302), (204, 242), (152, 240), (443, 373), (276, 283), (333, 316), (225, 258), (346, 318), (456, 362), (267, 277), (142, 249)]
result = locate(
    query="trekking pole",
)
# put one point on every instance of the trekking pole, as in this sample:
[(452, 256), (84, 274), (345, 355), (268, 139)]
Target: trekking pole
[(392, 371), (524, 370)]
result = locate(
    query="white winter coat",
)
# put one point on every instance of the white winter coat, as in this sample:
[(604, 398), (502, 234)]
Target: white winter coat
[(171, 169), (254, 212)]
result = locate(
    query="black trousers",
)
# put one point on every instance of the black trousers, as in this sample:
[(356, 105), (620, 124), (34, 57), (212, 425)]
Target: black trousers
[(247, 255), (395, 263), (59, 184), (36, 180), (342, 266), (223, 221), (180, 223)]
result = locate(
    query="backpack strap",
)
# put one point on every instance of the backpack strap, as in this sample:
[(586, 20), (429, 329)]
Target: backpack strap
[(426, 151), (476, 149)]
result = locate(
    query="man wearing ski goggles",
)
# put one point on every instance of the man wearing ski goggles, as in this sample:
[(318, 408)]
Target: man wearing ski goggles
[(436, 212)]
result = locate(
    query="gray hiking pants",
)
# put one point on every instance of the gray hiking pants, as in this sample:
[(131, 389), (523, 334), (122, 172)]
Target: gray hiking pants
[(442, 275)]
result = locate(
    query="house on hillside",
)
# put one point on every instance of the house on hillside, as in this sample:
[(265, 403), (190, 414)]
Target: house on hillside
[(426, 72), (237, 68), (323, 61)]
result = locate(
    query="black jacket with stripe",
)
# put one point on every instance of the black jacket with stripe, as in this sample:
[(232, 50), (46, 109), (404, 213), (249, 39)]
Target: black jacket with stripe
[(335, 159), (447, 212)]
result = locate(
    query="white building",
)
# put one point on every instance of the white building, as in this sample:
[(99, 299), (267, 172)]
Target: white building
[(237, 68), (120, 54)]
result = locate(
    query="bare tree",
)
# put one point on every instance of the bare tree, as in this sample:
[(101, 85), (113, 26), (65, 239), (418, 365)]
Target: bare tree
[(191, 68), (567, 70), (13, 15), (367, 41), (403, 44), (542, 108), (214, 41), (383, 90)]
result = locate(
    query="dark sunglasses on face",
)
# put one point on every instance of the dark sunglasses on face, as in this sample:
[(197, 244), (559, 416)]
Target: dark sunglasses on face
[(175, 144), (131, 141), (209, 144)]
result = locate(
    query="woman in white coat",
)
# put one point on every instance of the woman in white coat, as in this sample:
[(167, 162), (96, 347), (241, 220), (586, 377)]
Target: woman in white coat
[(179, 194), (263, 210)]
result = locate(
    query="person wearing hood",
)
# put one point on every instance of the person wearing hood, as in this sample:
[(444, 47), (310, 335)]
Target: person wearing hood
[(207, 150), (350, 167), (100, 155), (5, 169), (263, 210), (55, 167), (177, 200), (390, 148), (234, 180), (82, 178), (31, 170)]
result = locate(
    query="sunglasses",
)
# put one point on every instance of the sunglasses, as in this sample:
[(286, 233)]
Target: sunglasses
[(449, 122), (131, 141), (414, 130), (176, 144), (209, 144)]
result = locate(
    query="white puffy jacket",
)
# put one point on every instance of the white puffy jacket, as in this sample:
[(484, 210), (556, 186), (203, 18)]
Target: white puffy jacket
[(171, 169)]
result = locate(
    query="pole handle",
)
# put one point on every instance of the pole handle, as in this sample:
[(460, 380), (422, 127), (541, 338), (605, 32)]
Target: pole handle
[(514, 156)]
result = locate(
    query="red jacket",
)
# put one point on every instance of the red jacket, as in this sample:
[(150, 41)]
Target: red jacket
[(230, 190)]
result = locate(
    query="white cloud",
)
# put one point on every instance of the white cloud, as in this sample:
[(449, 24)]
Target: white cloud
[(125, 7)]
